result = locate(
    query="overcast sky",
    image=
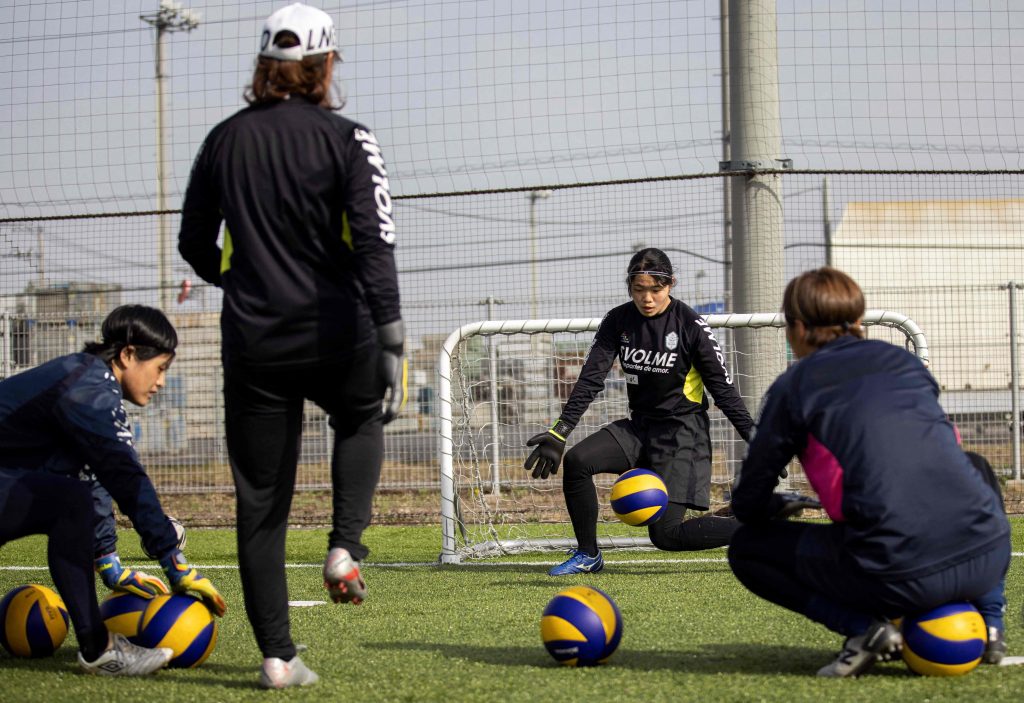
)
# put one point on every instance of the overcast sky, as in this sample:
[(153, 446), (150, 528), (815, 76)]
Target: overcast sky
[(469, 95)]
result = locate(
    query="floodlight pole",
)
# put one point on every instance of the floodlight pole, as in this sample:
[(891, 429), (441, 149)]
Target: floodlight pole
[(171, 17)]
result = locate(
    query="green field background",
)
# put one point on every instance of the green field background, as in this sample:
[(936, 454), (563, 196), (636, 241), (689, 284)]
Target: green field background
[(471, 633)]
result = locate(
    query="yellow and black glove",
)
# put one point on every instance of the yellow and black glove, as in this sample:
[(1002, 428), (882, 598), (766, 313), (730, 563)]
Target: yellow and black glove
[(184, 578), (117, 577)]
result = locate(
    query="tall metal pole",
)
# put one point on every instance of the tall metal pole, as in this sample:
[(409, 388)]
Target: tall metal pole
[(1014, 382), (495, 418), (163, 235), (726, 156), (758, 269), (534, 196), (40, 243), (826, 218), (171, 17)]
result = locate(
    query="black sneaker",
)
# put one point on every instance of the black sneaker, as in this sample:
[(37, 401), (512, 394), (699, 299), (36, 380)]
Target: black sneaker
[(861, 652), (995, 648)]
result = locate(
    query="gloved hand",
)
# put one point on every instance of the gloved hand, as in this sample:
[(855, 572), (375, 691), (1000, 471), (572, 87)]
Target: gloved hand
[(793, 504), (544, 460), (117, 577), (393, 367), (184, 578)]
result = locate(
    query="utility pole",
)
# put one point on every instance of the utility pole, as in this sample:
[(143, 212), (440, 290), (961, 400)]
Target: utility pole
[(757, 194), (171, 17), (826, 216), (534, 196)]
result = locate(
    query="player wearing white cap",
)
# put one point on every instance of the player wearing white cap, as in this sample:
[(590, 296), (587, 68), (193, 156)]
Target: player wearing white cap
[(311, 310)]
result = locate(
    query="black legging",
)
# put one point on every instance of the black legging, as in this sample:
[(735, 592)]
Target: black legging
[(263, 424), (59, 507), (600, 453)]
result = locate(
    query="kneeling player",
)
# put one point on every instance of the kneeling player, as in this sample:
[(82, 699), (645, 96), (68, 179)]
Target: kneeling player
[(669, 355)]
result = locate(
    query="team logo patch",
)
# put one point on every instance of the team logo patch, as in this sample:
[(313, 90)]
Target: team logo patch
[(671, 340), (624, 338)]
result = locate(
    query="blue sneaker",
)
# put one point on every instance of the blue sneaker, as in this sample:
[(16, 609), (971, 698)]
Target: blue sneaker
[(578, 563)]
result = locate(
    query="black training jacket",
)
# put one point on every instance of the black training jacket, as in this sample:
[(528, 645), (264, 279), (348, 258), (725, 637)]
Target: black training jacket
[(668, 361), (307, 263)]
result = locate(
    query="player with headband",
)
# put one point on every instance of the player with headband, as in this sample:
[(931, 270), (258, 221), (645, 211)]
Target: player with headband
[(670, 358), (311, 311), (65, 449)]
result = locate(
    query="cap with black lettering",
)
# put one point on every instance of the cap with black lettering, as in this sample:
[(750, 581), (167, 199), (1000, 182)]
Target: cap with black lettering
[(314, 29)]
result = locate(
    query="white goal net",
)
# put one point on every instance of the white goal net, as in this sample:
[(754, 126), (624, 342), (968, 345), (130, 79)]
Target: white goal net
[(503, 381)]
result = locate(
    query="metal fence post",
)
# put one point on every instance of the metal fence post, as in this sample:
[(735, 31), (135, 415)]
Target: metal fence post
[(1014, 382)]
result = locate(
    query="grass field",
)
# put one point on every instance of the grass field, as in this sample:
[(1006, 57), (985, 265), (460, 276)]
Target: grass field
[(471, 633)]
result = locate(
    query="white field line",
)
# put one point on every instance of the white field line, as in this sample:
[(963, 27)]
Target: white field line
[(415, 564)]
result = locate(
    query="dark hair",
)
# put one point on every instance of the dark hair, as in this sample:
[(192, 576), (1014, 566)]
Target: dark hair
[(145, 329), (651, 261), (275, 80), (828, 302)]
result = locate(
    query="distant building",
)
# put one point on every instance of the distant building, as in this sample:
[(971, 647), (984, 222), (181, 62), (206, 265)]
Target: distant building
[(942, 262)]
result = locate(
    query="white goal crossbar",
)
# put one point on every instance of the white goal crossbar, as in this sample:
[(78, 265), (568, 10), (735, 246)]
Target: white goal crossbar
[(449, 512)]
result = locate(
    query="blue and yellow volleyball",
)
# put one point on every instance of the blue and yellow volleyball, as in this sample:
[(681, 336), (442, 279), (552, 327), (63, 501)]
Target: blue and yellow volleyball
[(581, 626), (639, 497), (947, 641), (181, 623), (34, 620), (122, 613)]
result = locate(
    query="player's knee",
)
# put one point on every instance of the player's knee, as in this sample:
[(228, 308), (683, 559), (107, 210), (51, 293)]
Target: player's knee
[(660, 538), (574, 466)]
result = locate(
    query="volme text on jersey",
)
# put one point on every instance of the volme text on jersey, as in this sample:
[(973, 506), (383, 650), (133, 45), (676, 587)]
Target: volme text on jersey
[(382, 189), (635, 359), (716, 346)]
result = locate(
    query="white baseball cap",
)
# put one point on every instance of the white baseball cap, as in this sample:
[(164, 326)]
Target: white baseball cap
[(313, 27)]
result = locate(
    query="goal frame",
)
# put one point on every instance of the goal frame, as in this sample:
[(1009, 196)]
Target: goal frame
[(449, 552)]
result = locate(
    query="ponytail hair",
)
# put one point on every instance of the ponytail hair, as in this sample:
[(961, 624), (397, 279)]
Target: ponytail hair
[(828, 302), (145, 329)]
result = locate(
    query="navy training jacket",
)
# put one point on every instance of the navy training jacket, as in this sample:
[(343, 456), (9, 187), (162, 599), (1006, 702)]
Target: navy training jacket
[(67, 416), (864, 418)]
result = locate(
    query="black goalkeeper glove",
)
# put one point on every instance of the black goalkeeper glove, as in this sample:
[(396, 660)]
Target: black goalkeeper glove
[(793, 504), (544, 460), (393, 367)]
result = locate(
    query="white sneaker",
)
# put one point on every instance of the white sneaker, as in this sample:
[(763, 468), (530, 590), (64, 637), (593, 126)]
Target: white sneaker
[(861, 652), (122, 658), (278, 673), (342, 579)]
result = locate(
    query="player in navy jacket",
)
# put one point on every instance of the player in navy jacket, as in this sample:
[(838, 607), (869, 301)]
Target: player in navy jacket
[(669, 356), (311, 310), (64, 436), (913, 523)]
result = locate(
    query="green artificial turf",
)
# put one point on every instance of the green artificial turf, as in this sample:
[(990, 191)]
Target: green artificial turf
[(471, 633)]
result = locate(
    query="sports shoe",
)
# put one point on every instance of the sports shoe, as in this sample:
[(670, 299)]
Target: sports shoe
[(861, 652), (122, 658), (995, 648), (578, 563), (278, 673), (342, 579)]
